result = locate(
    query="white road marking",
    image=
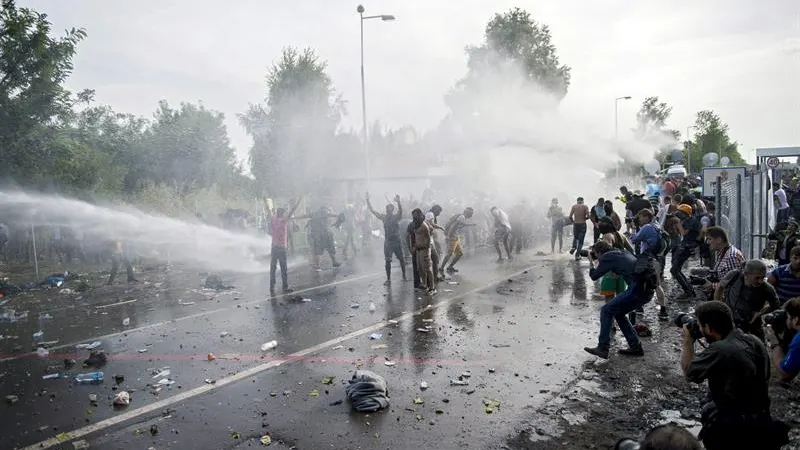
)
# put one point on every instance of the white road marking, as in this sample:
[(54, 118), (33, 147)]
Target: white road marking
[(162, 404), (111, 305), (191, 316)]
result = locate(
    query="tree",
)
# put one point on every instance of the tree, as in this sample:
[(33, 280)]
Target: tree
[(189, 147), (651, 127), (299, 121), (33, 66), (517, 53), (711, 135)]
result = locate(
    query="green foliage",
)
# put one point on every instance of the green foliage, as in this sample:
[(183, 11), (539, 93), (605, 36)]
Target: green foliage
[(515, 48), (711, 135), (301, 115), (33, 66), (52, 139)]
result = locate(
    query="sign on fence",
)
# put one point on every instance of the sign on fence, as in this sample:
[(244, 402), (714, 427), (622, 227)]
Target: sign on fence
[(710, 175)]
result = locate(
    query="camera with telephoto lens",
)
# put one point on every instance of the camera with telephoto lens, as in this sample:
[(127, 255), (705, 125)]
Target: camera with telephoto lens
[(700, 281), (627, 444), (777, 320), (686, 319)]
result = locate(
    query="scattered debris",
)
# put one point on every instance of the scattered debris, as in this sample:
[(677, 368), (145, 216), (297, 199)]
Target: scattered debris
[(153, 430), (459, 383), (355, 305), (265, 440), (11, 399), (126, 321), (389, 363), (418, 401), (423, 330), (211, 357), (490, 405), (162, 373), (91, 346), (367, 391), (379, 346), (375, 336), (423, 385), (223, 334), (80, 444), (142, 350), (119, 379), (269, 345), (314, 392), (123, 398), (328, 380)]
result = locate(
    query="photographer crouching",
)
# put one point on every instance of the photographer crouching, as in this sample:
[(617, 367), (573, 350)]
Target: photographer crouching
[(748, 296), (641, 276), (781, 327), (736, 412)]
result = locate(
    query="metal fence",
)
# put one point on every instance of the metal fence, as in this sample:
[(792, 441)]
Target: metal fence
[(746, 211)]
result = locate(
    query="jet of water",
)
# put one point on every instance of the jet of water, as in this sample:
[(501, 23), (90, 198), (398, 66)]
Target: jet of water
[(166, 239)]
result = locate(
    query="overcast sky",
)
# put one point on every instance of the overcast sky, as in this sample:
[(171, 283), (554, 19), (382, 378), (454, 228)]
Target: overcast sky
[(738, 57)]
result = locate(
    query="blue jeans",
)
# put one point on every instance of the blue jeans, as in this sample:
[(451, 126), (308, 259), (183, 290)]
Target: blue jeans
[(578, 235), (617, 309)]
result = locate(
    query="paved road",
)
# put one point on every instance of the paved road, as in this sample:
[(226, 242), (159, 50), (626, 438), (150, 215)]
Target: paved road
[(517, 327)]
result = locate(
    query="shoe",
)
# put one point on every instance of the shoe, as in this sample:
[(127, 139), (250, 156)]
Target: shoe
[(432, 292), (452, 269), (387, 282), (337, 264), (572, 251), (632, 351), (662, 314), (597, 351)]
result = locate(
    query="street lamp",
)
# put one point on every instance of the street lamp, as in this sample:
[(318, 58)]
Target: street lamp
[(689, 149), (616, 114), (385, 18), (616, 121)]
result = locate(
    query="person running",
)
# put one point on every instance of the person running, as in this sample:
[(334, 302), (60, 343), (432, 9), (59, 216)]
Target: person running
[(279, 229), (452, 232), (119, 256), (556, 215), (321, 236), (502, 231), (578, 215), (392, 243)]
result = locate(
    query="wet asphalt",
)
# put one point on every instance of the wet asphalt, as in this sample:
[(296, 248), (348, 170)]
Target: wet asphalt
[(518, 329)]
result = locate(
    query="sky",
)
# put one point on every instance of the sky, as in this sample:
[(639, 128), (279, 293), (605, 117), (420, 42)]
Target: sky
[(740, 58)]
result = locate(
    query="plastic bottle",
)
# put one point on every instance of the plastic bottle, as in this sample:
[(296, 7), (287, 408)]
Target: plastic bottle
[(89, 378), (269, 346), (371, 307)]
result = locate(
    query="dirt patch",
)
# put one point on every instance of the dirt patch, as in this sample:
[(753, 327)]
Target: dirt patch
[(625, 397)]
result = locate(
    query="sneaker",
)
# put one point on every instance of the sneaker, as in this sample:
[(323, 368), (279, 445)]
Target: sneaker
[(337, 264), (632, 351), (452, 269), (572, 251), (662, 314), (387, 282), (597, 351), (432, 292)]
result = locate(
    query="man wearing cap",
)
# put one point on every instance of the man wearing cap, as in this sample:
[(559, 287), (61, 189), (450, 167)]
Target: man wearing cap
[(689, 229)]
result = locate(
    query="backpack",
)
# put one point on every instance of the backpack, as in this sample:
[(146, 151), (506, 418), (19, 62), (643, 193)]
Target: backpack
[(662, 246)]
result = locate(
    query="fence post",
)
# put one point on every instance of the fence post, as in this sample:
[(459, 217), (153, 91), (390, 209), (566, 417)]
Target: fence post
[(718, 197), (739, 211), (752, 215), (35, 256)]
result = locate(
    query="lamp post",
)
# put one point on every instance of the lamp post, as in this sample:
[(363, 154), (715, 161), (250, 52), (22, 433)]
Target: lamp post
[(616, 121), (689, 149), (385, 18)]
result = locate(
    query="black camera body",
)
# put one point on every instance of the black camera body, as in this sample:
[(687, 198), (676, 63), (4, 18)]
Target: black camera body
[(700, 281), (777, 320), (686, 319), (585, 253)]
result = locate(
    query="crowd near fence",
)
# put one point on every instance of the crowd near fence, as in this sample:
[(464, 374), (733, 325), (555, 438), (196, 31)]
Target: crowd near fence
[(746, 210)]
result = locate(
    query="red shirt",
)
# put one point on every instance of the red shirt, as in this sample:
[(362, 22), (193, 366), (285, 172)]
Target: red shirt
[(280, 231)]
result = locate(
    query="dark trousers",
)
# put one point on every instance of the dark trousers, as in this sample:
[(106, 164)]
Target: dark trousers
[(556, 232), (679, 258), (116, 259), (579, 234), (278, 255), (596, 233), (415, 270)]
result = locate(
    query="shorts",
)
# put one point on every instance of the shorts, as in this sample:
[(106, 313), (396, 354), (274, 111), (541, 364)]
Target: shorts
[(454, 246), (392, 247)]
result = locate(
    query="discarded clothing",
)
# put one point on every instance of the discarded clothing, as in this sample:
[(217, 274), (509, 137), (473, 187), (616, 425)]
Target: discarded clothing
[(215, 282), (367, 391)]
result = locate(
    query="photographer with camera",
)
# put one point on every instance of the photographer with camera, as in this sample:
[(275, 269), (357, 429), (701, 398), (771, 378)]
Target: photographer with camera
[(653, 242), (641, 276), (748, 296), (736, 412), (783, 323)]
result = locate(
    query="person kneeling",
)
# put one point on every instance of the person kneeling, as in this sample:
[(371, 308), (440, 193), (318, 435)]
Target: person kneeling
[(641, 276), (736, 411)]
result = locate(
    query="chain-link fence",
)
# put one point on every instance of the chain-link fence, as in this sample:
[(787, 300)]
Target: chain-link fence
[(745, 210)]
